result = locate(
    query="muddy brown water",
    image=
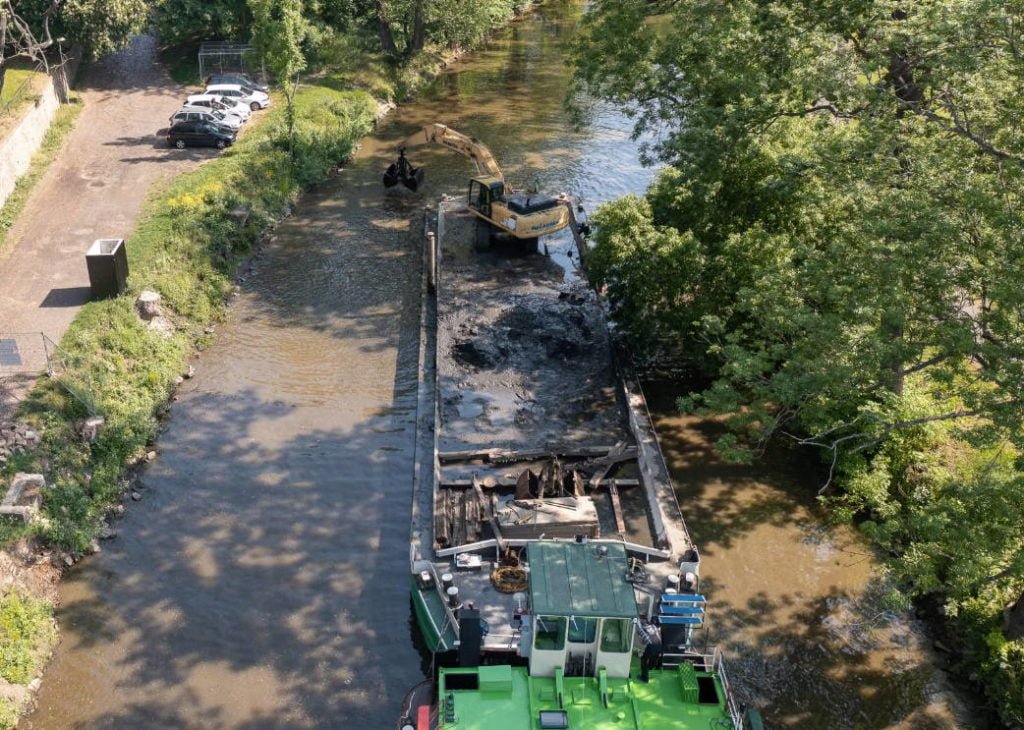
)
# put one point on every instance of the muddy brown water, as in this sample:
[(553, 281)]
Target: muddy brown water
[(261, 581), (797, 604)]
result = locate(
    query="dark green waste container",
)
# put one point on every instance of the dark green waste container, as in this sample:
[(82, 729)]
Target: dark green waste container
[(107, 261)]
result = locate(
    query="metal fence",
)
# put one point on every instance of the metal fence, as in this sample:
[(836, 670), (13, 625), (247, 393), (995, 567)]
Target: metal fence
[(221, 57), (26, 356)]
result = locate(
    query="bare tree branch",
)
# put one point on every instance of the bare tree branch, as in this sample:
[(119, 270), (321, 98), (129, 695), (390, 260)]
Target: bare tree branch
[(957, 126)]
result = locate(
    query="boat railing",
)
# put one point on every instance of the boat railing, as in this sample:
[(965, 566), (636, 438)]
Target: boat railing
[(661, 456), (718, 667), (452, 620)]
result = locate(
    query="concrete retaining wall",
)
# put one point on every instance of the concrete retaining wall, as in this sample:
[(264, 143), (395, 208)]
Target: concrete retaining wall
[(17, 148)]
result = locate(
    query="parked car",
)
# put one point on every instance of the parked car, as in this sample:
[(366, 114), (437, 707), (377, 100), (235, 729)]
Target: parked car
[(236, 78), (202, 114), (199, 134), (244, 94), (220, 103)]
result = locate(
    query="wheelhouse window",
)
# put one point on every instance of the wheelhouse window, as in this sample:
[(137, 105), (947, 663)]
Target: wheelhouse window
[(616, 634), (582, 630), (550, 633)]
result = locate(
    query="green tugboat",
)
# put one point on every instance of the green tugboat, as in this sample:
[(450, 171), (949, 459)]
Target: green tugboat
[(594, 661)]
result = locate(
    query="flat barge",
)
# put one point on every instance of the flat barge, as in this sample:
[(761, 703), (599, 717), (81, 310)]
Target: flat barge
[(545, 528), (532, 426)]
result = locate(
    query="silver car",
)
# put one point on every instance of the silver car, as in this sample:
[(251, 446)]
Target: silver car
[(204, 114)]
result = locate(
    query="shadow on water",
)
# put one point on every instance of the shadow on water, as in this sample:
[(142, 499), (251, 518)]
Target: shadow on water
[(262, 581), (241, 593)]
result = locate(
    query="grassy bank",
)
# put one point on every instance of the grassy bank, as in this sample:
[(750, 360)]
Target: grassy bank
[(23, 84), (186, 246), (27, 636), (53, 142)]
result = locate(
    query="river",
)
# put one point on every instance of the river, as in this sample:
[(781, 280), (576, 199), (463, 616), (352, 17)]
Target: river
[(261, 581)]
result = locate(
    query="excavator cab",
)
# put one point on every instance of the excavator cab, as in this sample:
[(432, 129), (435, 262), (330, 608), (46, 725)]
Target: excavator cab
[(483, 191)]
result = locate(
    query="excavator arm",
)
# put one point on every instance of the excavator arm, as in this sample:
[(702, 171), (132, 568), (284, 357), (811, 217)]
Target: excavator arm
[(522, 215), (402, 171), (475, 150)]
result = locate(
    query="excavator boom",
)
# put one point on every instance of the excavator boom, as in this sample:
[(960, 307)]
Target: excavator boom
[(475, 150)]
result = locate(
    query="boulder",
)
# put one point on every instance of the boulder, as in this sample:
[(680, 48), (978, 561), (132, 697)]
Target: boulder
[(24, 496), (148, 305), (90, 429)]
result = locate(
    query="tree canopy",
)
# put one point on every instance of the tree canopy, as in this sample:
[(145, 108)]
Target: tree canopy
[(99, 26), (841, 214), (836, 240)]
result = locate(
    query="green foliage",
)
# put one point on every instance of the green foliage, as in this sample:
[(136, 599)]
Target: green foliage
[(102, 26), (326, 132), (182, 62), (99, 26), (836, 243), (967, 535), (21, 85), (457, 24), (353, 61), (841, 234), (279, 29), (8, 714), (26, 634), (186, 21), (999, 662), (186, 246)]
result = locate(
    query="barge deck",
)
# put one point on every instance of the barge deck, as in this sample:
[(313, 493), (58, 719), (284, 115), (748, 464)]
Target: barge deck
[(532, 426)]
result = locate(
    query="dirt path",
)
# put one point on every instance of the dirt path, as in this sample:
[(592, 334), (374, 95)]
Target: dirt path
[(95, 189)]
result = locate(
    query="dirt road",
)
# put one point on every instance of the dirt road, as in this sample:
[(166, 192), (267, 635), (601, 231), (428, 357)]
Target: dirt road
[(95, 189)]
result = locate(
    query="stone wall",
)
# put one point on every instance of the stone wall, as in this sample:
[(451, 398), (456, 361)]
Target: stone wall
[(18, 147)]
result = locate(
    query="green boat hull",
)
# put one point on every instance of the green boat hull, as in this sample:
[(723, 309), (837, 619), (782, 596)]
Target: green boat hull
[(432, 619), (506, 698)]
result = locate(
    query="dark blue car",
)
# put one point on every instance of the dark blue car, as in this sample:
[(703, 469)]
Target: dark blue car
[(199, 134)]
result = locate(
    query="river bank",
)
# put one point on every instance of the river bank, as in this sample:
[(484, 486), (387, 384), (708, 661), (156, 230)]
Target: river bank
[(197, 232)]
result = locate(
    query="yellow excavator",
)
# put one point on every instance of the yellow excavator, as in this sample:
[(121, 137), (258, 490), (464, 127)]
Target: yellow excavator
[(500, 207)]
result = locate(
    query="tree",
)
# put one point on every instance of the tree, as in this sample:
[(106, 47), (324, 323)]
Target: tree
[(102, 26), (184, 21), (387, 38), (278, 31), (19, 39), (410, 17), (850, 176), (837, 243), (98, 26)]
